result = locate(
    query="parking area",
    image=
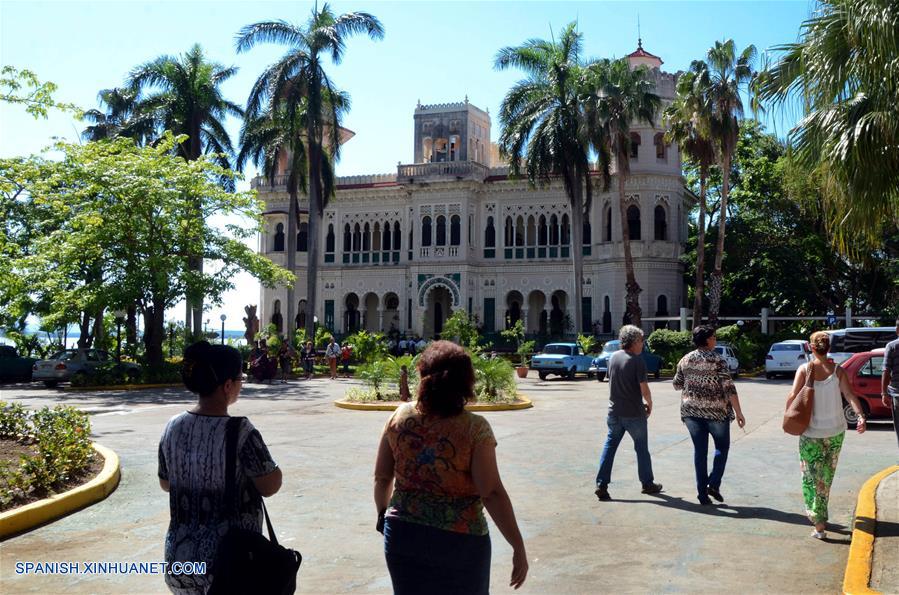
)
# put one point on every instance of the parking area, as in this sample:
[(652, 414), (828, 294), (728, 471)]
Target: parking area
[(759, 541)]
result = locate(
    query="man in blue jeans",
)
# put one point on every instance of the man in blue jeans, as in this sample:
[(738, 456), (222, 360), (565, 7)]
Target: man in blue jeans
[(628, 389)]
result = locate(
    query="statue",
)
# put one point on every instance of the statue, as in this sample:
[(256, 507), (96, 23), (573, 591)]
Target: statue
[(251, 323)]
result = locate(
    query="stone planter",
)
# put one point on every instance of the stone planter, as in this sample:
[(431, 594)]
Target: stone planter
[(522, 371)]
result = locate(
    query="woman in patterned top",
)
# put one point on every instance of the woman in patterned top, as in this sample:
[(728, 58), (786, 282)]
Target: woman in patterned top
[(192, 466), (443, 461), (708, 404)]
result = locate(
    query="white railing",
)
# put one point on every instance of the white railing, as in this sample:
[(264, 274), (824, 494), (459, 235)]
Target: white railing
[(424, 252), (444, 169)]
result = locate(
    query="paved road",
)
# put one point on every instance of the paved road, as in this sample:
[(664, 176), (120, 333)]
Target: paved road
[(759, 542)]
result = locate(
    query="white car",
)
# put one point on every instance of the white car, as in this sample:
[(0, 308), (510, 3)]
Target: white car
[(786, 357), (730, 356)]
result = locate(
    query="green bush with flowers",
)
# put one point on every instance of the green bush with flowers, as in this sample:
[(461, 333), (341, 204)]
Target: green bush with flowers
[(60, 440)]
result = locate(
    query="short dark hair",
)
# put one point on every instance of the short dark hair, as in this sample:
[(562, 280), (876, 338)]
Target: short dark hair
[(702, 333), (206, 367), (447, 379)]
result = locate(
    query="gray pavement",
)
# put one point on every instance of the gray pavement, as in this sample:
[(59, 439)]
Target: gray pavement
[(885, 563), (548, 455)]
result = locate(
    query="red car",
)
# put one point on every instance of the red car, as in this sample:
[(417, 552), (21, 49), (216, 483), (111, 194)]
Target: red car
[(864, 370)]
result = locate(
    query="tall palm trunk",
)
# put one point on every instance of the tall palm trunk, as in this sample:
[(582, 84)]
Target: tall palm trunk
[(293, 216), (717, 274), (315, 198), (577, 252), (194, 302), (699, 288), (632, 287)]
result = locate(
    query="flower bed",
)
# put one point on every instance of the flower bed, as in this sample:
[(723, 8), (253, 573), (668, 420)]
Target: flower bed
[(43, 452)]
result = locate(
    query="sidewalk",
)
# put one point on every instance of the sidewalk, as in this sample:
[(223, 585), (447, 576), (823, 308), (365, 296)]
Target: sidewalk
[(885, 563)]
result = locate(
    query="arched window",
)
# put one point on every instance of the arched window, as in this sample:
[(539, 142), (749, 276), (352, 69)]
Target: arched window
[(635, 145), (347, 238), (588, 233), (303, 237), (661, 224), (279, 238), (608, 216), (633, 222), (531, 237), (357, 238), (455, 230), (441, 231), (553, 231), (519, 231), (662, 306), (426, 231), (542, 231), (385, 241), (566, 230), (366, 238), (510, 232), (376, 237), (397, 238), (329, 239), (490, 234), (661, 150)]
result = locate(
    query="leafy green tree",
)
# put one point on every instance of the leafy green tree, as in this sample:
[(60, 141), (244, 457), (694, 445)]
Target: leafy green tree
[(151, 194), (183, 94), (297, 81), (841, 75), (462, 328), (23, 87), (623, 96), (689, 125), (723, 77), (544, 124)]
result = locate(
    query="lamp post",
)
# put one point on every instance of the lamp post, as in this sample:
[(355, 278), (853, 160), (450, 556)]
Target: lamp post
[(119, 318), (205, 327), (223, 317)]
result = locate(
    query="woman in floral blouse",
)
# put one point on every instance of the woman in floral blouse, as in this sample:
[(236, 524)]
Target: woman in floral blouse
[(708, 405), (442, 460)]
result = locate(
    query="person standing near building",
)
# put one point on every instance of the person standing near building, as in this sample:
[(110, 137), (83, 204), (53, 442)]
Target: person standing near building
[(404, 384), (889, 381), (630, 404), (332, 352), (708, 404), (308, 359), (820, 444), (286, 355), (345, 354)]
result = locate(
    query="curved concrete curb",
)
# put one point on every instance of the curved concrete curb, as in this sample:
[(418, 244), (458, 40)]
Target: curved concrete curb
[(120, 387), (858, 566), (522, 403), (24, 518)]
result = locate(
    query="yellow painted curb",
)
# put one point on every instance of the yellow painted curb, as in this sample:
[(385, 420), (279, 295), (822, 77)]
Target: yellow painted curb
[(521, 403), (858, 566), (120, 387), (18, 520)]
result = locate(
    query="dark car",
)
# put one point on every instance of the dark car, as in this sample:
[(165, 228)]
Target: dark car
[(600, 365), (864, 371), (13, 366)]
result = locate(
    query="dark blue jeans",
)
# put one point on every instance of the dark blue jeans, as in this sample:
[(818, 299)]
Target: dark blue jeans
[(636, 427), (700, 429), (423, 559)]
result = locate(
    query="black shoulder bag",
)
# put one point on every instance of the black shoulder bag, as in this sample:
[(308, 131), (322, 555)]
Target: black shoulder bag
[(247, 562)]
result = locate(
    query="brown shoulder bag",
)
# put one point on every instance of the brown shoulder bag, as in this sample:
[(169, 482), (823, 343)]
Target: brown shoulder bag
[(798, 414)]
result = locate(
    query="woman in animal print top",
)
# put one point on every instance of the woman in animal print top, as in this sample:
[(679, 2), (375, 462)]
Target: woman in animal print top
[(708, 405)]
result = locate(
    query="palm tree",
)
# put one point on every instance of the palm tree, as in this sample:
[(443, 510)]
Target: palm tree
[(725, 75), (184, 94), (299, 78), (119, 118), (623, 96), (688, 119), (838, 75), (544, 124)]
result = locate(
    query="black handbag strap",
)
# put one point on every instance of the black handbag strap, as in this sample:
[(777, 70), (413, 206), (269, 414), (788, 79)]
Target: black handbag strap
[(232, 431)]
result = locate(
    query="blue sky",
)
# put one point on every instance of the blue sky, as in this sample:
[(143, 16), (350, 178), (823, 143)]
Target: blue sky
[(432, 51)]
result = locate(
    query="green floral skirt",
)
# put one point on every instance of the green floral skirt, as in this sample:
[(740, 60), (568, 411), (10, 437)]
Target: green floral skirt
[(818, 457)]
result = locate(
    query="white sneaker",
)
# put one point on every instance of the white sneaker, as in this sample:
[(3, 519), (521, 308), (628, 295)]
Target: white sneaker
[(819, 534)]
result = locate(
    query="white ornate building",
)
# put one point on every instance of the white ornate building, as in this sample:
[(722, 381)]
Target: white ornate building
[(451, 230)]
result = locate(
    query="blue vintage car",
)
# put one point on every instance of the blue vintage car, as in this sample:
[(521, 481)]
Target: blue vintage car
[(562, 359), (600, 365)]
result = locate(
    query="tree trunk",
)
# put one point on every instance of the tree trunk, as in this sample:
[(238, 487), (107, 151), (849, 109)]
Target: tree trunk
[(131, 327), (315, 198), (699, 288), (577, 252), (154, 335), (98, 334), (84, 337), (195, 261), (717, 274), (632, 287), (293, 217)]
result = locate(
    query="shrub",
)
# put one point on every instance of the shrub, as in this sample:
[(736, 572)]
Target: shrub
[(13, 421), (670, 345), (494, 378), (367, 347), (375, 375), (588, 343)]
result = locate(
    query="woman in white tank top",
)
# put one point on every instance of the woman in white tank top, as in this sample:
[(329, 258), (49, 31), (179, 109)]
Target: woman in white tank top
[(820, 444)]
